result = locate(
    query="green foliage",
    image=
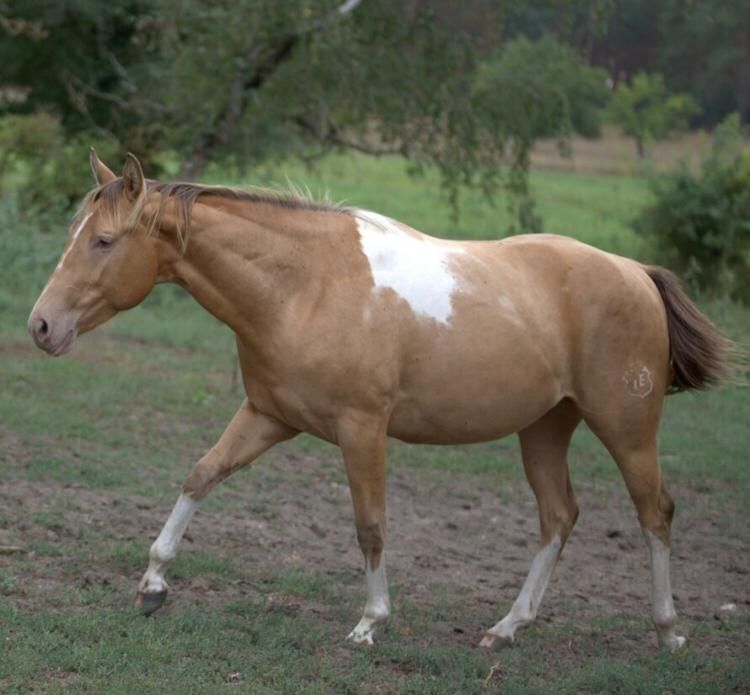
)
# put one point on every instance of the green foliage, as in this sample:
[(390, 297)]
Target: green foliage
[(699, 224), (39, 167), (246, 82), (541, 89), (531, 90), (703, 49), (647, 111)]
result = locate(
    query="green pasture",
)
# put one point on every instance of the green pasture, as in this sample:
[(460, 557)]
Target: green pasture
[(137, 402)]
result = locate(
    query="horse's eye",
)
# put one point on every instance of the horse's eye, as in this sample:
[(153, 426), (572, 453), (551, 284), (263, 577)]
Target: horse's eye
[(103, 242)]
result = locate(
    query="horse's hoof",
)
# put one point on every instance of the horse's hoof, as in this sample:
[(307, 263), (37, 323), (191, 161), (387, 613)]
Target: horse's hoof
[(675, 643), (495, 642), (149, 603)]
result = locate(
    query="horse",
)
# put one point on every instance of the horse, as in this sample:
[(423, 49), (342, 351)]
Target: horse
[(354, 327)]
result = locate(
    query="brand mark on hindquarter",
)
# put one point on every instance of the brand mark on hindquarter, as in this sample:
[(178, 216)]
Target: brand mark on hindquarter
[(638, 382)]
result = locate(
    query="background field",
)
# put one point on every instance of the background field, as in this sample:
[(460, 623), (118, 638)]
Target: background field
[(268, 582)]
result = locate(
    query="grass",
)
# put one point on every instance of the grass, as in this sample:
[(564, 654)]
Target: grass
[(594, 209), (123, 418)]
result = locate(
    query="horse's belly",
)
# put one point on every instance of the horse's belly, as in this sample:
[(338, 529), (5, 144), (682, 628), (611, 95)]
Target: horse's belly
[(467, 403), (464, 423)]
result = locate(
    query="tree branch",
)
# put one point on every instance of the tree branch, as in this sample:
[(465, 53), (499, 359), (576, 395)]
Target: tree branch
[(122, 73), (341, 11), (137, 104), (21, 27), (274, 58), (332, 135)]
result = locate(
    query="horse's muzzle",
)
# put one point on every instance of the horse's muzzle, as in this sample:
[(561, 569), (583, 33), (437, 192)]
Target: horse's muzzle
[(55, 338)]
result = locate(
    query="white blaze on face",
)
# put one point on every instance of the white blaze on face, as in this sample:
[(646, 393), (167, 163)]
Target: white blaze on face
[(416, 268), (76, 234)]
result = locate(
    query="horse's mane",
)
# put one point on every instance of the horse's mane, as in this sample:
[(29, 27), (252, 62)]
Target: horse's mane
[(184, 195)]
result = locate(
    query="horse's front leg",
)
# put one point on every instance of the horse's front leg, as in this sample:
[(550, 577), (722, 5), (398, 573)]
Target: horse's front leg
[(247, 436), (362, 441)]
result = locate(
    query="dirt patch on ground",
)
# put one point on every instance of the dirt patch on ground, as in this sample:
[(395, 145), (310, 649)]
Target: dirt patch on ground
[(447, 538)]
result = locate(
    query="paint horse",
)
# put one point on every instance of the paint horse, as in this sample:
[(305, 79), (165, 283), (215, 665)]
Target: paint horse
[(354, 327)]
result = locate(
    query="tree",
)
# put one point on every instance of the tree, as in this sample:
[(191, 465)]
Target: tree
[(537, 89), (242, 81), (646, 111), (706, 53)]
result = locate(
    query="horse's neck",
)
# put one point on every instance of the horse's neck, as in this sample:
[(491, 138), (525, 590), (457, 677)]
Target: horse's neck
[(245, 268)]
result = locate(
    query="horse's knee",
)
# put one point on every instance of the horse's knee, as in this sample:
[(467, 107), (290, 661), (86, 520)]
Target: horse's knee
[(205, 475)]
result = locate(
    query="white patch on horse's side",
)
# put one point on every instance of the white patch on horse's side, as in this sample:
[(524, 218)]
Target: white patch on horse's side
[(165, 546), (510, 311), (417, 268), (76, 234), (638, 383), (664, 613), (378, 606), (525, 607)]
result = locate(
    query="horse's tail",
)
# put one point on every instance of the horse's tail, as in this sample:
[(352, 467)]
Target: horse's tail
[(701, 356)]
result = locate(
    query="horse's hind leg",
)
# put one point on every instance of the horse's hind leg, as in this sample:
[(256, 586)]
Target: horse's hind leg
[(639, 465), (544, 447)]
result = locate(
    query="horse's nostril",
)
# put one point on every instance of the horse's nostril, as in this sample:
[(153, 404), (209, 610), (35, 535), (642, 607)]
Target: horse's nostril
[(43, 328)]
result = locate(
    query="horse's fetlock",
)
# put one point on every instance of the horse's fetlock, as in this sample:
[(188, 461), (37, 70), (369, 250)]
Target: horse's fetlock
[(664, 618), (161, 553)]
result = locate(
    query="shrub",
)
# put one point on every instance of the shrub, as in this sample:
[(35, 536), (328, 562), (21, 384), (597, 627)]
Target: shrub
[(699, 223), (645, 110), (41, 170)]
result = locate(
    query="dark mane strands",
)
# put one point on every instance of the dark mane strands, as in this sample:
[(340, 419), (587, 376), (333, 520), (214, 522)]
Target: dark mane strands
[(185, 194)]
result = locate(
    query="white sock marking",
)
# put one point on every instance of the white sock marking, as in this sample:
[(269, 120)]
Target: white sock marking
[(525, 607), (664, 613), (416, 267), (378, 606), (165, 546)]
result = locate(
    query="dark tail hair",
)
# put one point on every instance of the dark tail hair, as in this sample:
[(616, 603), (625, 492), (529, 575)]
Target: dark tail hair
[(700, 354)]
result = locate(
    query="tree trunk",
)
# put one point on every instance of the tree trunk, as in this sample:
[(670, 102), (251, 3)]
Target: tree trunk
[(743, 81), (265, 61), (640, 147), (223, 130), (194, 166)]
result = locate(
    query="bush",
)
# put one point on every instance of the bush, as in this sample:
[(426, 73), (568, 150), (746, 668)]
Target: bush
[(646, 111), (699, 223), (39, 169)]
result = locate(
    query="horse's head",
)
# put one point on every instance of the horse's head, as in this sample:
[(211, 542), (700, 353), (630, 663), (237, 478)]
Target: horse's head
[(109, 262)]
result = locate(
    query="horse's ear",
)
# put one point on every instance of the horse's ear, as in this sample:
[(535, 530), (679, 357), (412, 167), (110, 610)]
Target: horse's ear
[(102, 173), (132, 176)]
